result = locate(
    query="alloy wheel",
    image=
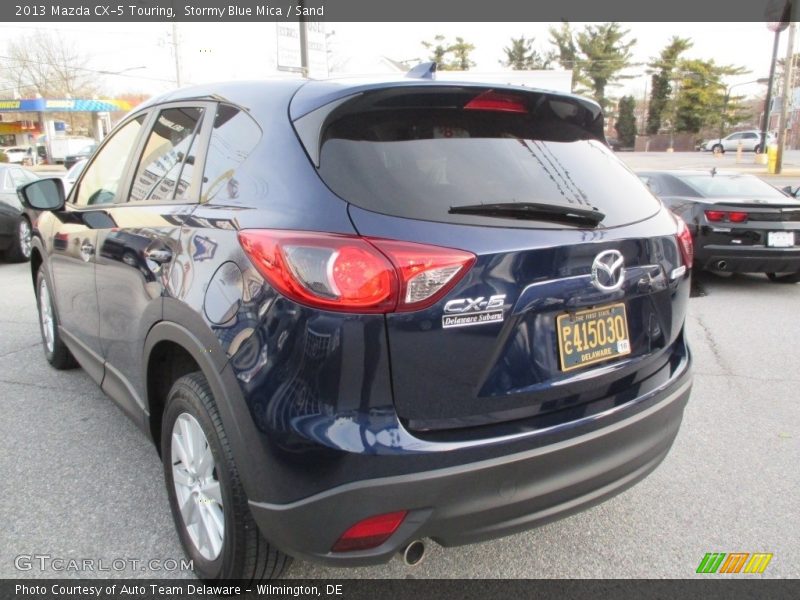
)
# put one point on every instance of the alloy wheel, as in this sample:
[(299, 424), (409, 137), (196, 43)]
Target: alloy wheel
[(196, 486), (24, 232), (46, 316)]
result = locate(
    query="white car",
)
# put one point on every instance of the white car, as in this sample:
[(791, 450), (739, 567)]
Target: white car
[(750, 140), (18, 154)]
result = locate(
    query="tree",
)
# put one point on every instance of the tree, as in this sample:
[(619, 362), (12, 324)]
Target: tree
[(521, 55), (662, 68), (626, 122), (440, 49), (566, 53), (700, 97), (597, 55), (44, 63), (461, 51)]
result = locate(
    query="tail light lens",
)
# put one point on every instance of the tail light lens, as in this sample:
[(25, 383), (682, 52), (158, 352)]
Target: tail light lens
[(685, 243), (369, 533), (354, 274), (717, 216)]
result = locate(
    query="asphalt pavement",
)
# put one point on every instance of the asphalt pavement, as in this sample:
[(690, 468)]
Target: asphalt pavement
[(79, 481)]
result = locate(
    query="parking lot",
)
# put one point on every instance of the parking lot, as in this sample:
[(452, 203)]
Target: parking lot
[(80, 481)]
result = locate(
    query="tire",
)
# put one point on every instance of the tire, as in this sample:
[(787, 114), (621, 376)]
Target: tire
[(20, 250), (784, 277), (211, 493), (56, 353), (757, 149), (717, 149)]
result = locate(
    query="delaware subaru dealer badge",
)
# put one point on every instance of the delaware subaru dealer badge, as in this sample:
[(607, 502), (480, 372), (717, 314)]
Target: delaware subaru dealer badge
[(464, 312)]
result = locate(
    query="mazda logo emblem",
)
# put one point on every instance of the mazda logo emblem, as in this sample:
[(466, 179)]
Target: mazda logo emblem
[(608, 273)]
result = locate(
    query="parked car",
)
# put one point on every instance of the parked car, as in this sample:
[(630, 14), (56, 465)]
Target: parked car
[(738, 222), (70, 177), (15, 225), (750, 141), (354, 316), (81, 154), (20, 154)]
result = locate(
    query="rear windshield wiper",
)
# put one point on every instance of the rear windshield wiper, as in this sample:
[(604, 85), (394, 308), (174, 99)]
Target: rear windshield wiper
[(536, 211)]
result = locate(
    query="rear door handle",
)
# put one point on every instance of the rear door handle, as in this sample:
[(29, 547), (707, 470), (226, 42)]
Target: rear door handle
[(158, 255)]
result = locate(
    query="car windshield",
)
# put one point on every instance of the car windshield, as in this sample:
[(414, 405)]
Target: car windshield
[(720, 186)]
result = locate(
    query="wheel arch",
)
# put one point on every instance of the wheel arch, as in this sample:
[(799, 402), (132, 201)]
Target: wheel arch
[(172, 349)]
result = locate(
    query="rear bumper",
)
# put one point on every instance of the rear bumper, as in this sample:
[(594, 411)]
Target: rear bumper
[(748, 259), (490, 498)]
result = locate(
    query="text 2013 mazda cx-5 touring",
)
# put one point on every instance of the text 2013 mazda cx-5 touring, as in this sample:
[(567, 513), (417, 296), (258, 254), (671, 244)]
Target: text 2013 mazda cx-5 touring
[(352, 316)]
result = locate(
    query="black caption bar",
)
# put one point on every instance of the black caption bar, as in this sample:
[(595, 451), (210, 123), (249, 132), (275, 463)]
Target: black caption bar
[(395, 10), (396, 589)]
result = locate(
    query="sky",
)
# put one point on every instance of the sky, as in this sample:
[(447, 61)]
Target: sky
[(223, 51)]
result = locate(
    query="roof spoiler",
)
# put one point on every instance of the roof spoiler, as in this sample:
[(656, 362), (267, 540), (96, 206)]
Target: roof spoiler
[(426, 70)]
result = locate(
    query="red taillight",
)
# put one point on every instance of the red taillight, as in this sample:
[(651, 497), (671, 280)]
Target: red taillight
[(426, 273), (717, 216), (354, 274), (498, 102), (685, 243), (369, 533)]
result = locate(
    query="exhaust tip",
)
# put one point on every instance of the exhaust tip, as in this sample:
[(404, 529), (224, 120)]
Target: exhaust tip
[(722, 265), (413, 553)]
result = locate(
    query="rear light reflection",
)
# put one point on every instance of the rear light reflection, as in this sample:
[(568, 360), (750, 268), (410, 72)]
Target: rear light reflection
[(369, 533), (354, 274), (685, 243)]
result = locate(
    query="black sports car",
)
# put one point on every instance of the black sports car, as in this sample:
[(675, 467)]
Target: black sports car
[(15, 226), (739, 222)]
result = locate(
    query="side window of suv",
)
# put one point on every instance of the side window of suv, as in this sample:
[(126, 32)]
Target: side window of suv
[(750, 136), (234, 136), (165, 169), (101, 179)]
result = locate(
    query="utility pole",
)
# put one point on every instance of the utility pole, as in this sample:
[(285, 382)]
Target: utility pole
[(786, 96), (765, 120), (303, 40), (177, 49)]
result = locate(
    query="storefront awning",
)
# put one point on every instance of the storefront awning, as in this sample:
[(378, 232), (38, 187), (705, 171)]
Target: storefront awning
[(63, 105)]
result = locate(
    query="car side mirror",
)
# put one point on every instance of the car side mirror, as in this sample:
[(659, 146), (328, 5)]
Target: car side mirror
[(44, 194), (791, 191)]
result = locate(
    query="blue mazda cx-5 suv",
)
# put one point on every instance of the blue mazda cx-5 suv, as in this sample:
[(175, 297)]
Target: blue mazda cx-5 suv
[(353, 316)]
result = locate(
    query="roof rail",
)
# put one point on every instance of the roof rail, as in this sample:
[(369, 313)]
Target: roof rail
[(426, 70)]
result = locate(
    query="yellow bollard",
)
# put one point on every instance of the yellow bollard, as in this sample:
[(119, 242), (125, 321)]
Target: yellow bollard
[(772, 158)]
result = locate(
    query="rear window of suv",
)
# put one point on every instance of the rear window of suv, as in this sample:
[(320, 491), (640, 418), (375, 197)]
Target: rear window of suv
[(418, 156)]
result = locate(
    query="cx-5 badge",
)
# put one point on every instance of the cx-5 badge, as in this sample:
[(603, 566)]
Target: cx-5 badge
[(464, 312)]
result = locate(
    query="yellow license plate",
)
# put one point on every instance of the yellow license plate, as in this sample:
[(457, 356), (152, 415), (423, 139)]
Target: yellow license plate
[(591, 336)]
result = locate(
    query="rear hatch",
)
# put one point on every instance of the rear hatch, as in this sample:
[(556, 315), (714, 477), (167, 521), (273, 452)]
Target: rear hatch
[(578, 293)]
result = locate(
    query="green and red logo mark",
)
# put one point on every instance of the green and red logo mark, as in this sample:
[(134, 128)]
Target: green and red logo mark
[(734, 562)]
